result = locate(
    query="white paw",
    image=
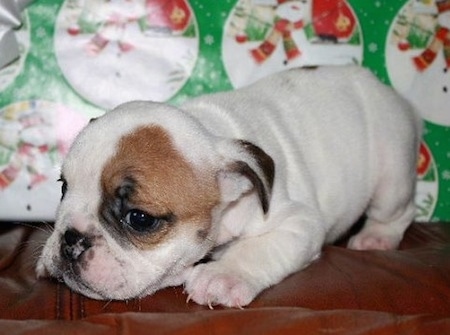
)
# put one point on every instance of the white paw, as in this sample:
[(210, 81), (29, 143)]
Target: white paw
[(376, 236), (212, 284), (373, 242)]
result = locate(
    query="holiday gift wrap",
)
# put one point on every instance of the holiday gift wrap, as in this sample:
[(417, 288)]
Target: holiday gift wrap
[(76, 59)]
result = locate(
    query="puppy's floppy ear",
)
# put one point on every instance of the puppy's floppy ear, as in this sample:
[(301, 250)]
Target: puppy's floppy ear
[(250, 168)]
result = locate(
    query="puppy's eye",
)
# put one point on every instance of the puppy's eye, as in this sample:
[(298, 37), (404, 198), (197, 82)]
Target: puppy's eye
[(141, 221), (63, 187)]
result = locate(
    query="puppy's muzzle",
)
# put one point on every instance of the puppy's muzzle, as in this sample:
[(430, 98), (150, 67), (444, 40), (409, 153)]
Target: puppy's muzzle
[(74, 244)]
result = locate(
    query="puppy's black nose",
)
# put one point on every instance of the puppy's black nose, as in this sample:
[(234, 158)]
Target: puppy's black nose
[(73, 244), (72, 237)]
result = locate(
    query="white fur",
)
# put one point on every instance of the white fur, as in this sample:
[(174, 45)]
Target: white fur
[(343, 145)]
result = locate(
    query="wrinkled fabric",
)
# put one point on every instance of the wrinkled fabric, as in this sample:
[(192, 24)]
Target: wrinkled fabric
[(284, 321), (405, 291)]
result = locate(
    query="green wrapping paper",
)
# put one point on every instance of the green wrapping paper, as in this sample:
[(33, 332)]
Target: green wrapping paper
[(78, 58)]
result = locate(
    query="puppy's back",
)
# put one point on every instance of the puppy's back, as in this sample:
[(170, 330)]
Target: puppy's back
[(324, 127)]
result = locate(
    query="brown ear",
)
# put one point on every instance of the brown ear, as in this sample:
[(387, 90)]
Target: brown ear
[(263, 179), (254, 169)]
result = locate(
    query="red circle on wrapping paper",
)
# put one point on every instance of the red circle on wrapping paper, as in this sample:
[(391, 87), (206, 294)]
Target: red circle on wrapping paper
[(173, 14), (325, 14), (424, 160)]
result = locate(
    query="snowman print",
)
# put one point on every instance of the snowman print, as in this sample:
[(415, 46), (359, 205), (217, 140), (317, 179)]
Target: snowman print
[(262, 37), (289, 16), (31, 137), (418, 63), (118, 17), (113, 51), (422, 73), (34, 136), (430, 88)]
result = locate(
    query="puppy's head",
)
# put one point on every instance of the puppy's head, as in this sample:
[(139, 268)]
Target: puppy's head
[(144, 187)]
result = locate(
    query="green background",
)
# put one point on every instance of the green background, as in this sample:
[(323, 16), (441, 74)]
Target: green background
[(41, 77)]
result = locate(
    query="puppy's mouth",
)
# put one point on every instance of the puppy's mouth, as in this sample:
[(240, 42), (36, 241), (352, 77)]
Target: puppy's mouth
[(69, 273), (72, 279), (75, 250), (87, 266), (72, 276)]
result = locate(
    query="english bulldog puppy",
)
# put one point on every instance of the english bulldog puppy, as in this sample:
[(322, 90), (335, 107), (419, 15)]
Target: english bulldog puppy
[(257, 179)]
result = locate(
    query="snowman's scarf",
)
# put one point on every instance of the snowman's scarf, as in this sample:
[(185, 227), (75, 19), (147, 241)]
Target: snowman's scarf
[(282, 29), (440, 40), (8, 175)]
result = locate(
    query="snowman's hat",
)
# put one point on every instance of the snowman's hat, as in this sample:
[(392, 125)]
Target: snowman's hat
[(443, 5)]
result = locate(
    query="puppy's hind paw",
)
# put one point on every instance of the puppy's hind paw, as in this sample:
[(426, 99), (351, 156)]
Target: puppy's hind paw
[(210, 284), (366, 241), (370, 243)]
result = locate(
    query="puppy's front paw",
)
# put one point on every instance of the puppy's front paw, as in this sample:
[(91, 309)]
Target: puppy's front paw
[(212, 284)]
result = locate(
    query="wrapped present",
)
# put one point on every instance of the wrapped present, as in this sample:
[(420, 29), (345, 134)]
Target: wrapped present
[(65, 61)]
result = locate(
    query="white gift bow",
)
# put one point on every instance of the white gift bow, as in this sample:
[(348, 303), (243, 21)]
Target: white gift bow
[(10, 18)]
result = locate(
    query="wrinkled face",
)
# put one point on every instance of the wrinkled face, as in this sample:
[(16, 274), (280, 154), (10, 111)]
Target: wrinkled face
[(134, 214)]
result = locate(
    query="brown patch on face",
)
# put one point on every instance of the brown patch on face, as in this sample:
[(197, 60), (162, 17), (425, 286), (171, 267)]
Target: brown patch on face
[(148, 173)]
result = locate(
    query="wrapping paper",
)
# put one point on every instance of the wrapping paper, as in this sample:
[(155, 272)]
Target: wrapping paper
[(79, 58)]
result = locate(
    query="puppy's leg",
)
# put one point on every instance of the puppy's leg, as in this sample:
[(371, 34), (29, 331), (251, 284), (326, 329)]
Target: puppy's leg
[(251, 264), (383, 233), (390, 212)]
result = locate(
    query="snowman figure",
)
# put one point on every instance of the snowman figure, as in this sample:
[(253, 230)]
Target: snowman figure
[(289, 17), (9, 139), (117, 18), (31, 138), (430, 89)]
